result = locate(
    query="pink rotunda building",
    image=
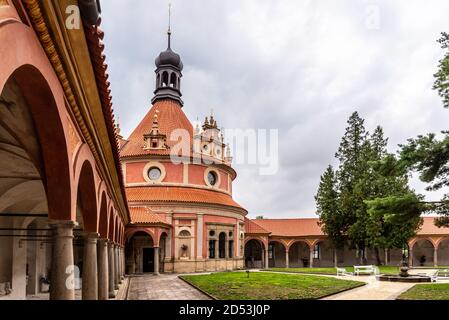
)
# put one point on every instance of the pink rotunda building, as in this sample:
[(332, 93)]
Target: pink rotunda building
[(178, 182)]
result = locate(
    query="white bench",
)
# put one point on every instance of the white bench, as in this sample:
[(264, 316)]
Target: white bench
[(370, 270), (343, 272), (441, 274)]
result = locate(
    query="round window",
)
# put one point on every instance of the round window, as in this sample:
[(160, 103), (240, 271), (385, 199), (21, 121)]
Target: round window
[(212, 178), (230, 233), (212, 233), (205, 147), (154, 173)]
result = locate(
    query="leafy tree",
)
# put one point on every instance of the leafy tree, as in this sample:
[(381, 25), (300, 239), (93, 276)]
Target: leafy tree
[(442, 76), (427, 155)]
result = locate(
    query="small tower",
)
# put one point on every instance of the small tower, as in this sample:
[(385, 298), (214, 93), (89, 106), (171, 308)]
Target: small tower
[(209, 142), (155, 140), (168, 74)]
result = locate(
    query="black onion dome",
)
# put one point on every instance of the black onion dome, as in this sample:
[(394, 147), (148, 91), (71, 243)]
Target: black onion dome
[(168, 57)]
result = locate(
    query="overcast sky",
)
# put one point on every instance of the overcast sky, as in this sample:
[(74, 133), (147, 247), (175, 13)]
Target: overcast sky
[(298, 66)]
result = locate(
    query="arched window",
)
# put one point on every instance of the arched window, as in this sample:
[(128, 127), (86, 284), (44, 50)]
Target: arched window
[(222, 245), (212, 249), (158, 81), (165, 79), (173, 80), (231, 249), (184, 233)]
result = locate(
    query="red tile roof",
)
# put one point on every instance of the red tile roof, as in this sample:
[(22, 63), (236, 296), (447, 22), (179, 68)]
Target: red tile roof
[(303, 227), (94, 36), (429, 228), (179, 194), (146, 216), (251, 227), (291, 227), (170, 118)]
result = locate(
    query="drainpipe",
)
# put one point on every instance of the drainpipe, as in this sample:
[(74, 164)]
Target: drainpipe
[(90, 11)]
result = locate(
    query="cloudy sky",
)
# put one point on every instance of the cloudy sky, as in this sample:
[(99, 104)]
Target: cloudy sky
[(298, 66)]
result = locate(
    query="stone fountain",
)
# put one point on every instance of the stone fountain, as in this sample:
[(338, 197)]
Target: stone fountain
[(404, 276)]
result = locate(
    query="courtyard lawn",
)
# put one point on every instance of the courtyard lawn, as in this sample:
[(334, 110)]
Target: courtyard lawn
[(435, 291), (268, 286), (333, 271)]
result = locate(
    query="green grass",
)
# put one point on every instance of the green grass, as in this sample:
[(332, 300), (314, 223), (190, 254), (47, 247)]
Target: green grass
[(333, 271), (436, 291), (268, 286)]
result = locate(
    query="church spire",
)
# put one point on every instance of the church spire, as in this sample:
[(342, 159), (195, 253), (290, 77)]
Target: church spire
[(168, 72), (169, 26)]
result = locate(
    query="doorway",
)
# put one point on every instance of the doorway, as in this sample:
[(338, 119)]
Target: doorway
[(148, 260)]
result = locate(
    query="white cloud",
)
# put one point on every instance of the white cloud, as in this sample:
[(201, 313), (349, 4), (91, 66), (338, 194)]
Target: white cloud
[(298, 66)]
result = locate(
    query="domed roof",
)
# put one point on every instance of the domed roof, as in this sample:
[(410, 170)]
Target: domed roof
[(169, 57)]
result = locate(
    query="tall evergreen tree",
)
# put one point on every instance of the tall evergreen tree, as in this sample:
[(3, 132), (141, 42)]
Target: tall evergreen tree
[(328, 208), (364, 174)]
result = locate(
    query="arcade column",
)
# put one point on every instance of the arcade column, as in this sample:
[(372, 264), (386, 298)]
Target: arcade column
[(103, 278), (90, 267), (62, 264)]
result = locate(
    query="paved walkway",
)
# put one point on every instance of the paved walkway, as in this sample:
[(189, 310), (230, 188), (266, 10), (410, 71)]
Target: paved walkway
[(374, 289), (162, 287)]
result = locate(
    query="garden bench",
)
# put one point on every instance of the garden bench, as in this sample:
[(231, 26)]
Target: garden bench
[(370, 270), (442, 274), (343, 272)]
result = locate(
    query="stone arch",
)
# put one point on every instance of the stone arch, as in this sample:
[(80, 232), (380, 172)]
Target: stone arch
[(87, 197), (323, 253), (103, 216), (423, 252), (261, 239), (222, 238), (111, 224), (116, 227), (299, 254), (164, 79), (443, 252), (277, 253), (173, 80), (48, 152), (158, 80), (164, 249), (130, 232), (25, 62), (254, 253)]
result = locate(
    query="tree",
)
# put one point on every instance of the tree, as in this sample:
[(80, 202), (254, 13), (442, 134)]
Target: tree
[(427, 155), (366, 172), (442, 76), (328, 208)]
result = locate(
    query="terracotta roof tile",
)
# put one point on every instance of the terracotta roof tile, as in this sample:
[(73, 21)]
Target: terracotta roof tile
[(179, 194), (146, 215), (94, 36), (251, 227), (429, 227), (309, 227), (291, 227), (170, 118)]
